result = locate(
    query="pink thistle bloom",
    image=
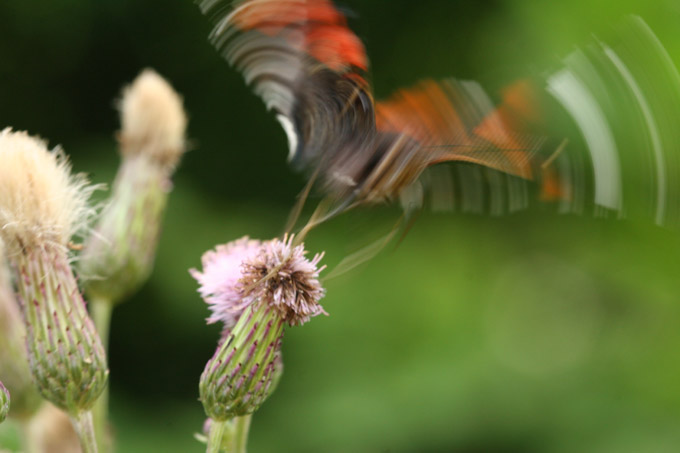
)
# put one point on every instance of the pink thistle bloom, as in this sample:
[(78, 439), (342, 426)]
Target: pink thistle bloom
[(255, 288), (221, 273), (283, 278), (247, 271)]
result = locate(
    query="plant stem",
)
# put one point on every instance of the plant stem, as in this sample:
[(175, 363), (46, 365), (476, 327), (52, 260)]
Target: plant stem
[(241, 433), (215, 436), (102, 309), (82, 422)]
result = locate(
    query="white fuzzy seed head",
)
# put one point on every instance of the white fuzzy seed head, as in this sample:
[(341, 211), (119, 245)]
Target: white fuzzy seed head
[(40, 200), (153, 119)]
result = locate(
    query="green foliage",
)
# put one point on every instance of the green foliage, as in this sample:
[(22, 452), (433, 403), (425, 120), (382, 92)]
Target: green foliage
[(532, 332)]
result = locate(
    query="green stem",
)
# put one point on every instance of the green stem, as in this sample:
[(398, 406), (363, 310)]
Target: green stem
[(101, 310), (215, 436), (82, 422), (241, 433)]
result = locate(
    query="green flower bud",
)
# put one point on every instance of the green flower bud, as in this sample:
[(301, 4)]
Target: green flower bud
[(119, 255), (65, 354), (4, 403), (239, 377)]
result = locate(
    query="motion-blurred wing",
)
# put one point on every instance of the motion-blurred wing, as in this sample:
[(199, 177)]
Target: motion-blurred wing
[(307, 66), (456, 121)]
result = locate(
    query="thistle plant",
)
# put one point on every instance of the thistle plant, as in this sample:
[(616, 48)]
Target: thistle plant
[(255, 288), (4, 402), (42, 205), (118, 256)]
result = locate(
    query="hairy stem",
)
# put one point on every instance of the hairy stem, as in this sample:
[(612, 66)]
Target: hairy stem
[(241, 433), (82, 422), (215, 436)]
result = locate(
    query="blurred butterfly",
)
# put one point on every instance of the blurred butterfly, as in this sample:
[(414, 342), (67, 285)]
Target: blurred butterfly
[(310, 70)]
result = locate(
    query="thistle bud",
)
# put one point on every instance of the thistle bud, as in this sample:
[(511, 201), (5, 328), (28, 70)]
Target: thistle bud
[(41, 206), (4, 403), (14, 371), (277, 285), (238, 377), (119, 256)]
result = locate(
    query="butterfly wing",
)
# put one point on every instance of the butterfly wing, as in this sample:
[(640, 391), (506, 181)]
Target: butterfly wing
[(308, 67), (455, 121)]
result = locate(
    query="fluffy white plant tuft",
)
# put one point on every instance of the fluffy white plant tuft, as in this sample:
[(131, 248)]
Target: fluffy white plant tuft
[(40, 200), (153, 119)]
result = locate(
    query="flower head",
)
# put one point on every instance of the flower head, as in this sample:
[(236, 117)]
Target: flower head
[(255, 288), (220, 276), (283, 278), (40, 200), (153, 119)]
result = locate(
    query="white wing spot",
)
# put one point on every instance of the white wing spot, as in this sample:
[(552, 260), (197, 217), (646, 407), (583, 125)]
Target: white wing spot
[(290, 132)]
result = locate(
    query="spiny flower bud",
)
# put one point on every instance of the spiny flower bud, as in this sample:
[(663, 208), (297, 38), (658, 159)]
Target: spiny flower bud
[(65, 353), (41, 205), (119, 255), (14, 371), (277, 286), (4, 403), (237, 379)]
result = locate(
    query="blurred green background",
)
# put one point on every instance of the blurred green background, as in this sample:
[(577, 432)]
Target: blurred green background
[(531, 332)]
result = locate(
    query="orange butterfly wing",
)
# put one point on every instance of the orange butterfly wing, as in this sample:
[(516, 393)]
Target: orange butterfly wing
[(454, 121)]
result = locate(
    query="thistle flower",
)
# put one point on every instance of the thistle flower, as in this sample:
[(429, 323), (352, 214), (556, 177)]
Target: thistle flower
[(4, 403), (119, 255), (41, 206), (288, 282), (14, 371), (277, 286), (220, 276)]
